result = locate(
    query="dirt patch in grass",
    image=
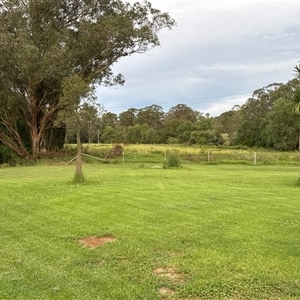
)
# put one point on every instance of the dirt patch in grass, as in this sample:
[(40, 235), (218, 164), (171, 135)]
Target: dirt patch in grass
[(174, 254), (94, 241), (167, 292), (170, 273)]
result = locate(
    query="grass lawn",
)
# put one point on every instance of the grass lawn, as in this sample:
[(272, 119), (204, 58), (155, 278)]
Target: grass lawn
[(200, 232)]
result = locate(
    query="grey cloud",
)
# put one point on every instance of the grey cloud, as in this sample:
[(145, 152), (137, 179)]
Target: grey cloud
[(218, 48)]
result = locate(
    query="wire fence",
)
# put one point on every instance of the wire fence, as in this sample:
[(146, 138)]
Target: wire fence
[(204, 156)]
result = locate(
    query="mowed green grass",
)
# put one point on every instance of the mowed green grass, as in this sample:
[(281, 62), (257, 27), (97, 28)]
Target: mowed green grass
[(225, 231)]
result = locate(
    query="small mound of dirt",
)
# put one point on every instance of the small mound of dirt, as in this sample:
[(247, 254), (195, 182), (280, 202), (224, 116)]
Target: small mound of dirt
[(94, 241)]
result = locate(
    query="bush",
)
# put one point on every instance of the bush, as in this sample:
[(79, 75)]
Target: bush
[(7, 156), (172, 140), (172, 161)]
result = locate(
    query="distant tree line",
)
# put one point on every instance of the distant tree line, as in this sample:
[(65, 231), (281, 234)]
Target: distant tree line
[(181, 124), (265, 120)]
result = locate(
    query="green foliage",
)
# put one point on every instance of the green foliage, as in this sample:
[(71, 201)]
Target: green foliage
[(206, 137), (54, 52), (170, 129), (141, 134), (89, 114), (282, 127), (109, 135), (151, 115), (7, 156), (108, 119), (183, 113), (296, 101), (266, 118), (172, 161), (184, 131), (23, 131), (55, 137), (127, 118), (173, 140), (229, 121), (296, 93)]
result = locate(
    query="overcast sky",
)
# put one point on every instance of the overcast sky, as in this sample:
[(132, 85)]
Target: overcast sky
[(216, 56)]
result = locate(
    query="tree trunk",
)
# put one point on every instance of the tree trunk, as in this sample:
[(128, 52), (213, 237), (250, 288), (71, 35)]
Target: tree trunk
[(35, 143), (37, 121), (78, 174), (11, 138), (34, 121), (90, 132)]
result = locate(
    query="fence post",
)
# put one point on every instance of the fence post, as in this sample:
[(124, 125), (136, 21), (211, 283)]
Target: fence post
[(123, 157), (207, 156), (254, 158)]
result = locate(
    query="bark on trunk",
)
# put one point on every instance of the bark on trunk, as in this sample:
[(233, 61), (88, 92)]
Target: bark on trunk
[(12, 139), (37, 121), (37, 136), (35, 144)]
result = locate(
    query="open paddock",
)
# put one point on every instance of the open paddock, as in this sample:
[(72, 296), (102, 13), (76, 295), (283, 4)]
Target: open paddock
[(197, 232)]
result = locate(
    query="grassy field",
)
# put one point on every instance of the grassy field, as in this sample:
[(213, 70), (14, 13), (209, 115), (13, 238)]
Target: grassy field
[(199, 232)]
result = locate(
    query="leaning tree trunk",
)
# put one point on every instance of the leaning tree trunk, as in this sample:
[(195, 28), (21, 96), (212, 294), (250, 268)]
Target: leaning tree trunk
[(10, 137)]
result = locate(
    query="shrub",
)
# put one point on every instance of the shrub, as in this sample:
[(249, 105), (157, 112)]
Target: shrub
[(7, 156), (172, 161), (172, 140)]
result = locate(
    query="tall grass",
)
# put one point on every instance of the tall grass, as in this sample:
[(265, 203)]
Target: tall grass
[(218, 155)]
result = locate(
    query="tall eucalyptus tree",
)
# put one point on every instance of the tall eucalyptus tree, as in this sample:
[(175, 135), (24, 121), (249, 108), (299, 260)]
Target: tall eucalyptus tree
[(46, 42)]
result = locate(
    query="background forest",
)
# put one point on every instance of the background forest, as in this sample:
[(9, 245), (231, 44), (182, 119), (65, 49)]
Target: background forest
[(265, 120)]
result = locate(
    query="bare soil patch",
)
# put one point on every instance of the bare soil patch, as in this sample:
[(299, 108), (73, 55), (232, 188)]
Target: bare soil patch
[(94, 241), (164, 291), (170, 273)]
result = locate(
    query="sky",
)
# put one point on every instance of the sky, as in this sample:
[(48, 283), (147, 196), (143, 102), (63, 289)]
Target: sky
[(216, 56)]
